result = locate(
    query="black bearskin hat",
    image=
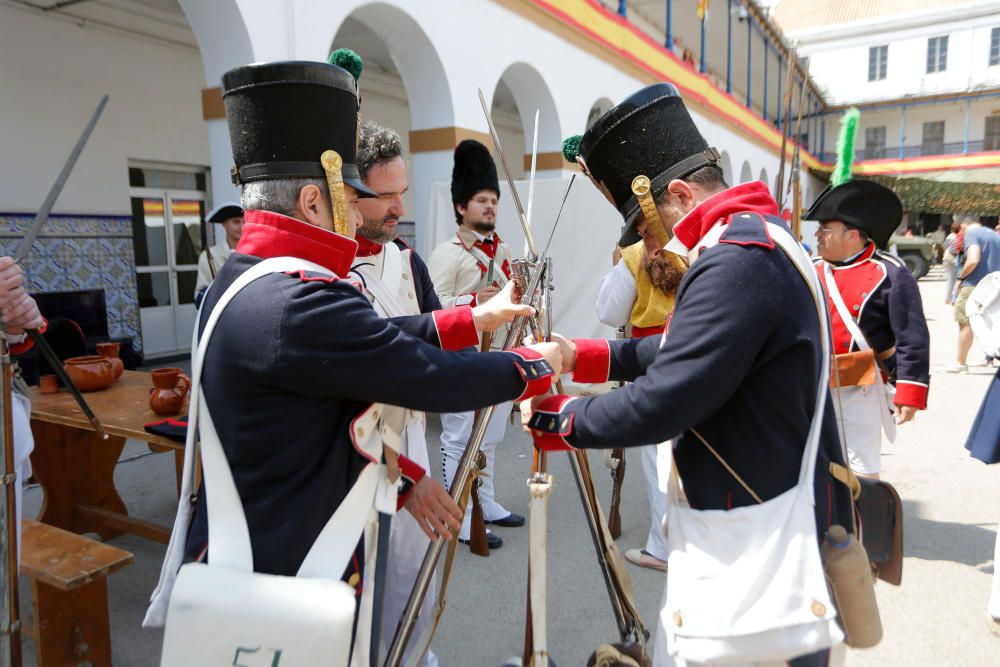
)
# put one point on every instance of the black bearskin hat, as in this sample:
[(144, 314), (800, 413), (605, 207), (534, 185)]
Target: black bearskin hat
[(474, 170)]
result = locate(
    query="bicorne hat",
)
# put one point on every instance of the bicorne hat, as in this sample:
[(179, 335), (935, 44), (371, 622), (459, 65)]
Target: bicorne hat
[(649, 134), (474, 170), (282, 116), (868, 206), (224, 212)]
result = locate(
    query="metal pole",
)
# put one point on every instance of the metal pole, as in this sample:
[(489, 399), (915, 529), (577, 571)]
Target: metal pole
[(902, 131), (670, 34), (968, 118), (749, 63), (729, 47), (777, 122), (822, 136), (702, 68), (622, 11), (766, 58)]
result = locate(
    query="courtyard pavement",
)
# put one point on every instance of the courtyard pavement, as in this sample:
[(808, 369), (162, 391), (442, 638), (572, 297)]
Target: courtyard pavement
[(937, 617)]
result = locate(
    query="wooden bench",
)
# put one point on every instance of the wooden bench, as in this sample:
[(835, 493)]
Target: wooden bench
[(69, 592)]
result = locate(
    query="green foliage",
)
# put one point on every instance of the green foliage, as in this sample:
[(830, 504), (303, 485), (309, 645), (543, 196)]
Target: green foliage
[(845, 147), (571, 148), (921, 194), (349, 60)]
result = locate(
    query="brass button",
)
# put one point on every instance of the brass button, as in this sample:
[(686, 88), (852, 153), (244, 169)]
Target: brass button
[(678, 621), (353, 579), (818, 608), (374, 414), (410, 294), (361, 432), (406, 276)]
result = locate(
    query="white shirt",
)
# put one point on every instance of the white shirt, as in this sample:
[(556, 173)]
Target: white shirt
[(617, 296)]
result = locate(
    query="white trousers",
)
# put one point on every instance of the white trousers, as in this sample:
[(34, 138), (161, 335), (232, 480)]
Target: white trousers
[(24, 444), (994, 604), (656, 540), (864, 413), (456, 428)]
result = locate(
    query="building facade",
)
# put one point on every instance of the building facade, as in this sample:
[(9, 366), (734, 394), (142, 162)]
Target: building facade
[(129, 219)]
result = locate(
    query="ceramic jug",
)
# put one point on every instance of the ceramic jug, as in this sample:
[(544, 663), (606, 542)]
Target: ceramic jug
[(170, 385)]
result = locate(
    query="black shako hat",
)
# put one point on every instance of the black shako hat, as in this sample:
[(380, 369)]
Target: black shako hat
[(866, 205), (283, 115), (650, 133), (474, 170)]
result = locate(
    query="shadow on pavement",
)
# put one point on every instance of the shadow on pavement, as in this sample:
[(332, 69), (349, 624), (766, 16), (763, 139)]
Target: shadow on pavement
[(968, 544)]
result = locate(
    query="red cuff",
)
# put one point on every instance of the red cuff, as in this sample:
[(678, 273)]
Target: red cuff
[(549, 427), (912, 394), (411, 473), (27, 343), (455, 328), (593, 360), (535, 371)]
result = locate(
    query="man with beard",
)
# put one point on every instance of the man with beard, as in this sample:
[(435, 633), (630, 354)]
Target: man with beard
[(735, 378), (396, 281), (639, 293), (460, 269)]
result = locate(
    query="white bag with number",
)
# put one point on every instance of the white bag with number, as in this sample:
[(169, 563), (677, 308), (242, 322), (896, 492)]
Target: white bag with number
[(747, 585), (222, 612)]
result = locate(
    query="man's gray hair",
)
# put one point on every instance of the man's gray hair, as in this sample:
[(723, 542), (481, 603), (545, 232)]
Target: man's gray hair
[(966, 219), (279, 195), (378, 144)]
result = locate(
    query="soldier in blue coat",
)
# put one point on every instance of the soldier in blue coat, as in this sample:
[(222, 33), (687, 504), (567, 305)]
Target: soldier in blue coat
[(299, 362), (740, 360)]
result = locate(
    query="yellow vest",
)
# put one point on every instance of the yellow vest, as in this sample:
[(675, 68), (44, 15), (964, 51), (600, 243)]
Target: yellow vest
[(651, 305)]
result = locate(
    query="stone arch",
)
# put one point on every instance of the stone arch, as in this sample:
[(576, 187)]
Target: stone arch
[(402, 45), (746, 172), (520, 91), (598, 109), (726, 165), (763, 176)]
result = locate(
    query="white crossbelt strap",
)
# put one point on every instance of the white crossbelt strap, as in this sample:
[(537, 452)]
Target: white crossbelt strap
[(499, 279), (385, 287)]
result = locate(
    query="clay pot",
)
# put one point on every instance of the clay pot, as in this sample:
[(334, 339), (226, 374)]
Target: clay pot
[(170, 385), (90, 373), (110, 352)]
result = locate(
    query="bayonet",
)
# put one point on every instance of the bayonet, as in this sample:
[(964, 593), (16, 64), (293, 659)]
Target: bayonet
[(529, 239)]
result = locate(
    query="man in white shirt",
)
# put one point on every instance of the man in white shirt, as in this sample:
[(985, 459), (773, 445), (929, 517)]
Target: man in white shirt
[(230, 216)]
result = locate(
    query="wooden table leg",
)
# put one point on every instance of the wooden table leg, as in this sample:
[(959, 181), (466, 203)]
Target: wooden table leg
[(75, 467)]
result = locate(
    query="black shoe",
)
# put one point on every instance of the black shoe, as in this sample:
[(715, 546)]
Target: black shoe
[(510, 521), (493, 541)]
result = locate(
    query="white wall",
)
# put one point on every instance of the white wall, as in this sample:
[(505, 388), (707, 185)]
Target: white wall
[(54, 73), (838, 55)]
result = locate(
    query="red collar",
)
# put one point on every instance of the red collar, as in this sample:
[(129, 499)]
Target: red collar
[(267, 235), (751, 197), (864, 255), (367, 248)]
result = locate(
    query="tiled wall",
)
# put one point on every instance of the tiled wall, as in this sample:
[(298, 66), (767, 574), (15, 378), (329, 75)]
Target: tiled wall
[(77, 252)]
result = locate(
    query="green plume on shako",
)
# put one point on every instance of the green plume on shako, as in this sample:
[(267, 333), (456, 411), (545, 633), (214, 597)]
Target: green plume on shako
[(571, 148), (349, 60), (845, 147)]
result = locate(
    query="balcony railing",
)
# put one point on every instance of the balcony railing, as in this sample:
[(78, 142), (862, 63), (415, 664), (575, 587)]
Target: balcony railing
[(893, 152)]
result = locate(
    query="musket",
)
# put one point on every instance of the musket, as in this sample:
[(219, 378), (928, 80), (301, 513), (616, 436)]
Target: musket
[(10, 622), (478, 540), (617, 476), (795, 176), (25, 247), (459, 486), (779, 192)]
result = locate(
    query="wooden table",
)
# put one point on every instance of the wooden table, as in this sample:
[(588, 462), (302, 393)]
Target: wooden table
[(76, 468)]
